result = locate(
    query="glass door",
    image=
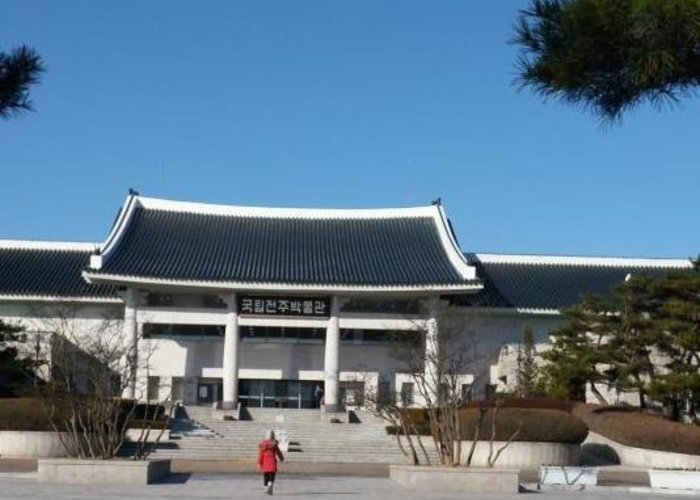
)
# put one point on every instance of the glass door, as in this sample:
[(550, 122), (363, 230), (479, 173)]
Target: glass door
[(257, 393)]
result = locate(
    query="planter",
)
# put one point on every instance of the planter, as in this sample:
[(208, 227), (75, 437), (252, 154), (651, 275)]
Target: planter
[(640, 457), (31, 444), (675, 479), (455, 479), (570, 476), (523, 454), (75, 471)]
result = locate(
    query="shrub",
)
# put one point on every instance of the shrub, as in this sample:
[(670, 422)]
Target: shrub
[(28, 414), (538, 425), (634, 427), (23, 414), (533, 403)]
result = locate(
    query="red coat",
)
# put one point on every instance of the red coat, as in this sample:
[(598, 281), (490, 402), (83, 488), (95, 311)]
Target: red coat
[(268, 452)]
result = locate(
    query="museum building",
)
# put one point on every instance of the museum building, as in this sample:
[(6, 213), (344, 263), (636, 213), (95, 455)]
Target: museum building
[(262, 306)]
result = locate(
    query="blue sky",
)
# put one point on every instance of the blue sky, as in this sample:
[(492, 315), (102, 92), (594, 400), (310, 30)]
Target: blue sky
[(331, 104)]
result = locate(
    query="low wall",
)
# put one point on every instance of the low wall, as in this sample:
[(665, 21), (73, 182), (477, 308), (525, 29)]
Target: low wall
[(640, 457), (455, 479), (523, 454), (30, 444), (122, 472)]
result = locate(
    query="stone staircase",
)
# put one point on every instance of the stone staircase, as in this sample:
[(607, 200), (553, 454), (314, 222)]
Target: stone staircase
[(308, 436)]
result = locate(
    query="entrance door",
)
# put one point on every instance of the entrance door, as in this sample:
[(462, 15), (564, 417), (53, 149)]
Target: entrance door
[(205, 392), (277, 393), (257, 393)]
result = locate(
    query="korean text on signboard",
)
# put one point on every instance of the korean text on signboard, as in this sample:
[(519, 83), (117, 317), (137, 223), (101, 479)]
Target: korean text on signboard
[(286, 306)]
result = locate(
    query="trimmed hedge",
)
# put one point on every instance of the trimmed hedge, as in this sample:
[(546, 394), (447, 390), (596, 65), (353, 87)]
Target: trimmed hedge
[(23, 414), (532, 403), (27, 414), (634, 427), (536, 425)]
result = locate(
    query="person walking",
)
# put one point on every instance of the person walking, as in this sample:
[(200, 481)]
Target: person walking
[(318, 396), (268, 453)]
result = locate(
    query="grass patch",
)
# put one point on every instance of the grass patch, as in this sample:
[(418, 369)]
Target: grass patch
[(633, 427)]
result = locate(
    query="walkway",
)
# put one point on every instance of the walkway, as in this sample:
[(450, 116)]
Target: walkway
[(248, 486)]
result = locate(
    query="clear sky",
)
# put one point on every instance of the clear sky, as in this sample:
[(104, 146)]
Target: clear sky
[(331, 104)]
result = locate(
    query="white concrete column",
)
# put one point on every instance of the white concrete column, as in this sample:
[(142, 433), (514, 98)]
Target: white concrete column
[(231, 348), (332, 357), (432, 350), (131, 335)]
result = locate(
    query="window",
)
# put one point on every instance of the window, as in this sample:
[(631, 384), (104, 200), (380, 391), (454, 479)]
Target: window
[(153, 389), (159, 299), (466, 392), (151, 330), (407, 393), (209, 301), (275, 333), (384, 393), (382, 306), (213, 302)]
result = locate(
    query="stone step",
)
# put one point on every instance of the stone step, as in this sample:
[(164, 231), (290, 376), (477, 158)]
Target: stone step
[(197, 434)]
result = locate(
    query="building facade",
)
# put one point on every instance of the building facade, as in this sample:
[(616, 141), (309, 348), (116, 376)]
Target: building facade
[(268, 306)]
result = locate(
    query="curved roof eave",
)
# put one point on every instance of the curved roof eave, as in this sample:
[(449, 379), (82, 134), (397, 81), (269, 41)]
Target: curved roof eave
[(459, 264)]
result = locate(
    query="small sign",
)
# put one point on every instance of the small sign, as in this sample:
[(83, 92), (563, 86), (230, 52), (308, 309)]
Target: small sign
[(284, 306)]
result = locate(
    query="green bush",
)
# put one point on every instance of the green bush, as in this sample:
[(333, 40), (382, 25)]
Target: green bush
[(536, 425), (634, 427)]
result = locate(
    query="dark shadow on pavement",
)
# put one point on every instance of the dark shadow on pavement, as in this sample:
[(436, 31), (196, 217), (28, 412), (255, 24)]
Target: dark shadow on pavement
[(177, 478)]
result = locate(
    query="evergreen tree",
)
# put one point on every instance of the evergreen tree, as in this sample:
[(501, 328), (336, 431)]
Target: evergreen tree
[(577, 349), (528, 373), (19, 70), (610, 55), (630, 337), (14, 370), (677, 319)]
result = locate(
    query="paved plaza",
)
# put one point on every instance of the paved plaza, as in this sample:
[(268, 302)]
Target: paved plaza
[(15, 486)]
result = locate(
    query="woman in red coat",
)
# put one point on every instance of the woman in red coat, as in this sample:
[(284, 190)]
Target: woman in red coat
[(268, 453)]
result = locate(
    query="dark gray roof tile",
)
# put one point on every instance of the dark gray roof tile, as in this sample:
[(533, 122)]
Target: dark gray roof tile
[(398, 251), (47, 272), (528, 285)]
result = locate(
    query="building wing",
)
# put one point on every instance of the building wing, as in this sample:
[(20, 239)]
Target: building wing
[(541, 283)]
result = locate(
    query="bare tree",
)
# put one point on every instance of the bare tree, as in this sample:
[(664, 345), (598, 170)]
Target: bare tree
[(438, 357), (435, 356), (90, 363)]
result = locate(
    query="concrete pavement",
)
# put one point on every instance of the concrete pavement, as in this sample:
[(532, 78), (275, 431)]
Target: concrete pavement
[(614, 475), (14, 486)]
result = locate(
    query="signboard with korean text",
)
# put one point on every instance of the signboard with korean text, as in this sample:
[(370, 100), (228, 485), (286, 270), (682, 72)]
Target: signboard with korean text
[(284, 306)]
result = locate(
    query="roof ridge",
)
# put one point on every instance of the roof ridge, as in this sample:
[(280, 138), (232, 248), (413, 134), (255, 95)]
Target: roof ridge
[(149, 203), (580, 260), (74, 246)]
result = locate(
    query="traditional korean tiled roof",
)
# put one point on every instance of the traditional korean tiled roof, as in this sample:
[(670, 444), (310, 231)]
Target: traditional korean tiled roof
[(48, 270), (541, 283), (161, 241)]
